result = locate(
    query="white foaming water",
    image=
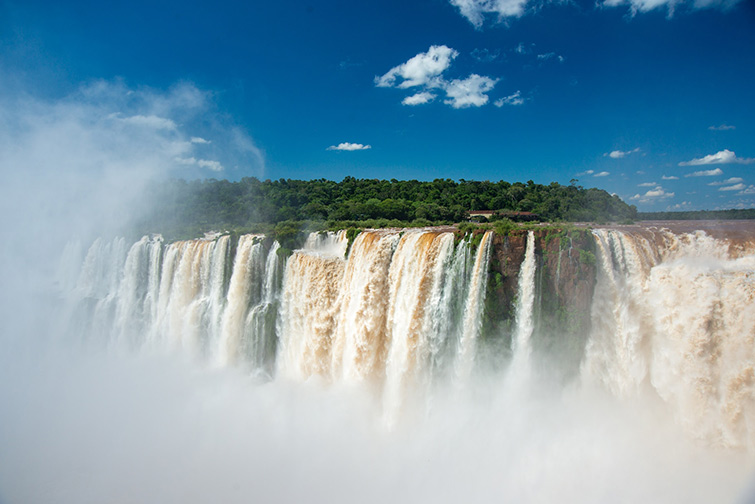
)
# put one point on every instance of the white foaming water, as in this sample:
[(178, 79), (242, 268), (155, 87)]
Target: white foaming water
[(386, 315), (327, 243), (678, 319), (473, 310), (243, 290), (525, 307), (359, 345), (666, 378)]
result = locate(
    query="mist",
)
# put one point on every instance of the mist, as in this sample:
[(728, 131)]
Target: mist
[(84, 421)]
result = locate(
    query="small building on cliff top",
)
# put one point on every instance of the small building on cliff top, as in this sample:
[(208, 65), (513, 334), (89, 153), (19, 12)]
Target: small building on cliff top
[(509, 214)]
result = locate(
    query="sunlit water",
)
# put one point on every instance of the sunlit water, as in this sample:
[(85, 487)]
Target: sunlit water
[(172, 382)]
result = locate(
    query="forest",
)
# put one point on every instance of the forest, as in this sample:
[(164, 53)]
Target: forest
[(189, 207)]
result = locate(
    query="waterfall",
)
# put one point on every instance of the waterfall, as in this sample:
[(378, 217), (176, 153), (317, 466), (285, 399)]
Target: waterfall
[(474, 309), (359, 343), (243, 290), (259, 328), (414, 273), (137, 291), (673, 314), (309, 314), (670, 312), (525, 307)]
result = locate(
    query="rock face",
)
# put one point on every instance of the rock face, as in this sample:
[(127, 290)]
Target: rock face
[(565, 280)]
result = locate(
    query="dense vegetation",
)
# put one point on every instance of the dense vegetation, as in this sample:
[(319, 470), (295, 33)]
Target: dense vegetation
[(700, 215), (202, 205)]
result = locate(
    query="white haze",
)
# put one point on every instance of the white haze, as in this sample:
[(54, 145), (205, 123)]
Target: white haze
[(90, 425)]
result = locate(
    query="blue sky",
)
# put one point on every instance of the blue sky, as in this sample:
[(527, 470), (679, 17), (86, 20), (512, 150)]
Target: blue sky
[(650, 99)]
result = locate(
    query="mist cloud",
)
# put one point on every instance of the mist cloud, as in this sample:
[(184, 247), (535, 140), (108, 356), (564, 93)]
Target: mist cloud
[(78, 166)]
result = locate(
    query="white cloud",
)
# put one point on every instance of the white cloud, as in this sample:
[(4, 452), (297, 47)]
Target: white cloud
[(602, 174), (735, 187), (732, 180), (684, 205), (588, 172), (656, 194), (749, 190), (346, 146), (202, 163), (149, 121), (420, 70), (199, 140), (476, 10), (212, 165), (513, 99), (617, 154), (85, 159), (551, 55), (647, 184), (706, 173), (469, 92), (721, 157), (723, 127), (669, 177), (426, 69), (649, 5), (419, 98)]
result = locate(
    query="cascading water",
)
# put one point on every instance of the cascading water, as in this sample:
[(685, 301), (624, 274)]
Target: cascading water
[(671, 312), (525, 306), (674, 314), (359, 345), (430, 356), (387, 314), (473, 311)]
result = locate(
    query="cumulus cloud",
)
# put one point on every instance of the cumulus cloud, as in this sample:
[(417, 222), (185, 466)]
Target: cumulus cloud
[(684, 205), (732, 180), (747, 191), (706, 173), (419, 70), (655, 194), (425, 70), (735, 187), (669, 177), (418, 99), (513, 99), (347, 146), (618, 154), (476, 10), (602, 174), (587, 172), (721, 157), (199, 140), (648, 184), (469, 92), (722, 127), (202, 163)]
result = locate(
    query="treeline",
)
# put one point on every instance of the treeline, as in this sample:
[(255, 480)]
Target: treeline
[(732, 214), (217, 204)]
